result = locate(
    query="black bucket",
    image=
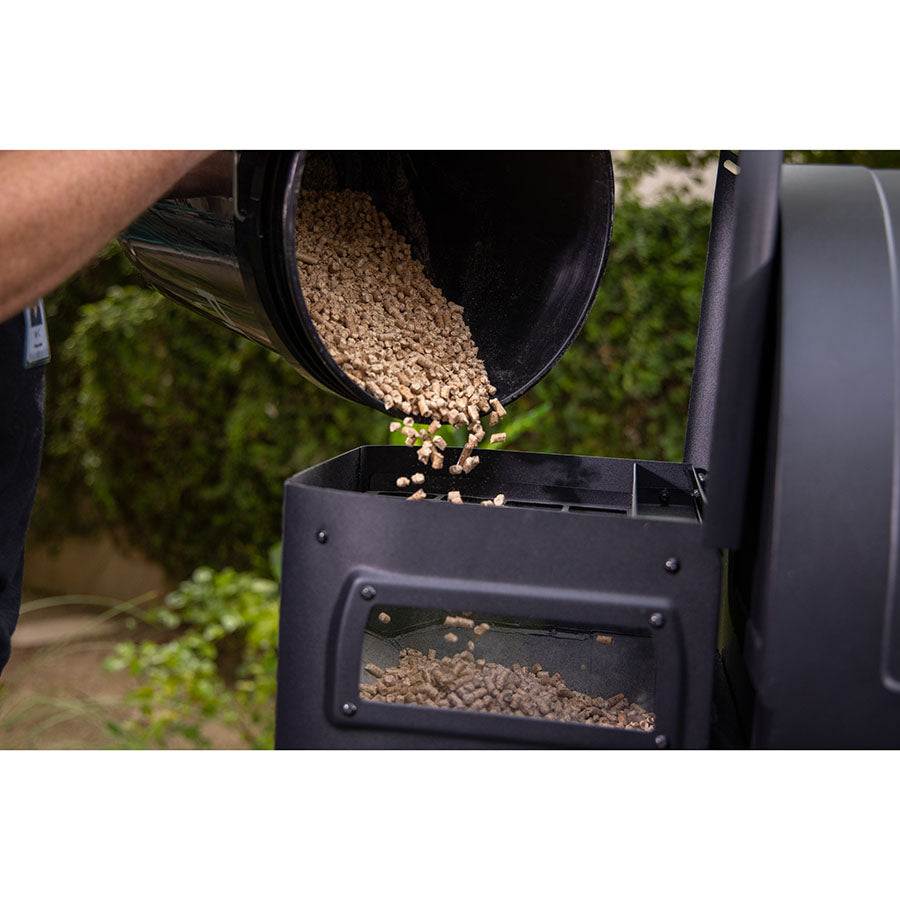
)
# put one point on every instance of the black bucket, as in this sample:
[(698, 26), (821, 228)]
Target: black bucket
[(519, 239)]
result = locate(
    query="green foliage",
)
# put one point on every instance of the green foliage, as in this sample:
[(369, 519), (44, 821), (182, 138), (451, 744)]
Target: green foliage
[(64, 502), (217, 666), (632, 165)]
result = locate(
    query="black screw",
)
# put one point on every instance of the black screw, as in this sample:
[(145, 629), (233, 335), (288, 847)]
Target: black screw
[(657, 620), (349, 709), (661, 741), (672, 565), (368, 592), (664, 497), (321, 536)]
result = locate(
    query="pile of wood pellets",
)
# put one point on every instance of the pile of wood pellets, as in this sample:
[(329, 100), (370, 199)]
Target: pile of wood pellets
[(463, 682), (392, 331)]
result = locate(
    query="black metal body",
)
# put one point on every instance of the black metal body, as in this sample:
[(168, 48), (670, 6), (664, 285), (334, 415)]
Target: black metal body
[(814, 583), (582, 541), (744, 315), (713, 308), (519, 239)]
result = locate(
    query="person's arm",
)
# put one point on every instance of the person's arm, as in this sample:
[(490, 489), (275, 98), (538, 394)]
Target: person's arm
[(59, 208)]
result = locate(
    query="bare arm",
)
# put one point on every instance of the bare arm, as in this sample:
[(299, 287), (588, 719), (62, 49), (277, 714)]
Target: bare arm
[(58, 208)]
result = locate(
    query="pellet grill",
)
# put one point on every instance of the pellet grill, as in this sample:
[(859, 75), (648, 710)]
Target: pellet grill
[(745, 597)]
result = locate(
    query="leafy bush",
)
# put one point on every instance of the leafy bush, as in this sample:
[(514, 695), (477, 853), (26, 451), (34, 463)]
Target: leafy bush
[(64, 502), (218, 664)]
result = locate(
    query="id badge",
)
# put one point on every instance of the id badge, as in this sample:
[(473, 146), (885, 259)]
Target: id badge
[(37, 343)]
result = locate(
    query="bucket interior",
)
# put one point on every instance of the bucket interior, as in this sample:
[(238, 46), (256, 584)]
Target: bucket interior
[(518, 239)]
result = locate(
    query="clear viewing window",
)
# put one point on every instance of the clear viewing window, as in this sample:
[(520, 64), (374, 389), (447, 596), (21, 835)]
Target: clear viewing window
[(463, 660)]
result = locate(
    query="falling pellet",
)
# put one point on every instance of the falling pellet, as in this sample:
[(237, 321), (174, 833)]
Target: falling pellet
[(470, 464)]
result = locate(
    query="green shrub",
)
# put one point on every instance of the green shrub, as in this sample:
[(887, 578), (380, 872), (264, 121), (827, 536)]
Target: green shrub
[(217, 663), (64, 503)]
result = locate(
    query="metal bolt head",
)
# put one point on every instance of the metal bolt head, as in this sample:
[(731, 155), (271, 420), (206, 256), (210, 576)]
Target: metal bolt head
[(321, 536), (672, 565), (349, 709), (368, 592), (657, 620), (664, 497), (661, 741)]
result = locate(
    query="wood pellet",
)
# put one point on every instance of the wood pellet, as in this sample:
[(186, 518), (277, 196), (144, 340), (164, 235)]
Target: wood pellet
[(459, 622), (463, 682), (389, 328)]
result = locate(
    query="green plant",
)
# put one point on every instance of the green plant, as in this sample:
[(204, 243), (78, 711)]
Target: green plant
[(64, 505), (633, 165), (217, 664)]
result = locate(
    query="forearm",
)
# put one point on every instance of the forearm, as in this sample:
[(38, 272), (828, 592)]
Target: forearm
[(58, 208)]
